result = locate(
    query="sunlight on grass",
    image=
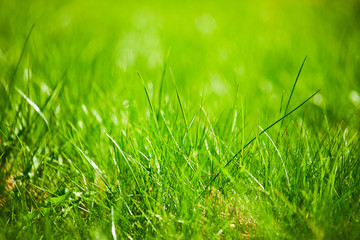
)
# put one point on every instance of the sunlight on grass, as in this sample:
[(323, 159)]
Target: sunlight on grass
[(179, 120)]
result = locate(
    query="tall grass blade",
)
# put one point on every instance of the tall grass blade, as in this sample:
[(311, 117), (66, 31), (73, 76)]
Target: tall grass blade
[(182, 109), (12, 80), (162, 84), (149, 100), (36, 108), (254, 138), (179, 99), (293, 88)]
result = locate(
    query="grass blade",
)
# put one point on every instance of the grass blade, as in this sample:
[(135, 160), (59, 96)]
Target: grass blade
[(96, 168), (149, 100), (179, 99), (162, 84), (20, 58), (113, 229), (254, 138), (125, 158), (181, 107), (292, 90), (36, 108), (282, 160)]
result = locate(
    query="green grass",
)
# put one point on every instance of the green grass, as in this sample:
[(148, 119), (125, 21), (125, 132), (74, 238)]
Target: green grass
[(156, 120)]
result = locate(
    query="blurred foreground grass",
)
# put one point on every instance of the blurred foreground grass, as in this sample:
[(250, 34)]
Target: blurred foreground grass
[(87, 153)]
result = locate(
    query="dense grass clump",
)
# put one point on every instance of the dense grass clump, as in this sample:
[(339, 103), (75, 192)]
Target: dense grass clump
[(179, 120)]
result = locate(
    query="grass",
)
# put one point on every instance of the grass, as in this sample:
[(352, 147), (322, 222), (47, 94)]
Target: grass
[(179, 120)]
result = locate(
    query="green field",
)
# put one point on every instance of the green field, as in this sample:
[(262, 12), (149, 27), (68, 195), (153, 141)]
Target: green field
[(142, 120)]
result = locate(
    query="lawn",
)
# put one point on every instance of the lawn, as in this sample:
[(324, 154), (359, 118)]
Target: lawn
[(180, 119)]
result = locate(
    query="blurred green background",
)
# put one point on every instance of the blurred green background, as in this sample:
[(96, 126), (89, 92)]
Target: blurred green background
[(215, 48)]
